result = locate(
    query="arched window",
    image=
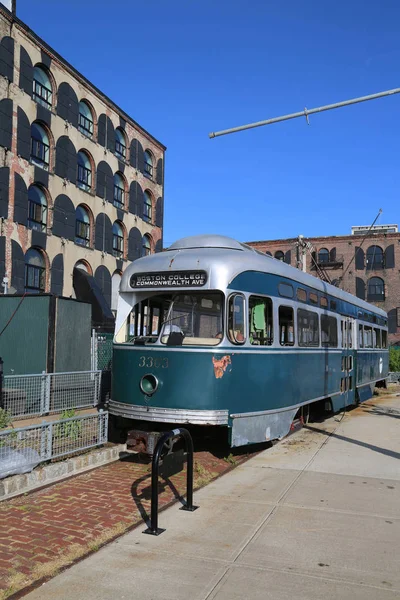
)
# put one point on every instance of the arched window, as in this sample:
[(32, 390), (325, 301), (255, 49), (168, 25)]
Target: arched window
[(374, 258), (120, 143), (118, 239), (119, 191), (147, 207), (37, 208), (35, 272), (40, 146), (83, 266), (146, 246), (82, 226), (148, 164), (268, 253), (85, 122), (42, 91), (323, 255), (84, 178), (279, 255), (376, 289)]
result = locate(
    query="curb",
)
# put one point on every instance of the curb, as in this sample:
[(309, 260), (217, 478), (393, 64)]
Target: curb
[(54, 472)]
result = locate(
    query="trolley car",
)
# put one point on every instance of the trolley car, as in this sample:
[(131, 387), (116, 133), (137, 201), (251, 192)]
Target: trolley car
[(213, 332)]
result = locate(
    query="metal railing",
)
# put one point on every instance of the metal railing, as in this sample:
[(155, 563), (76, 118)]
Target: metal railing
[(394, 377), (23, 448), (35, 395)]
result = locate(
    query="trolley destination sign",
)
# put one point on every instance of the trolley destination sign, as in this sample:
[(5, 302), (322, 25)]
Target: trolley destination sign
[(170, 279)]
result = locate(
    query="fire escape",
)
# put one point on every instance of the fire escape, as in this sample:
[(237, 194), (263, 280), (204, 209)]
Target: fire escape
[(321, 262)]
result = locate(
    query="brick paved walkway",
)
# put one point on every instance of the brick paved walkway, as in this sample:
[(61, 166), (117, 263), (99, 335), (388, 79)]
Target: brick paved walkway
[(44, 531)]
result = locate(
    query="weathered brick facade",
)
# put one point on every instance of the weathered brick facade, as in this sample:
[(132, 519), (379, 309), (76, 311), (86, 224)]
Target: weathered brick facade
[(113, 144), (351, 262)]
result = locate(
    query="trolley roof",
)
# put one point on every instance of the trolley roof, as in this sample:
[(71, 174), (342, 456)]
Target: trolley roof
[(223, 258)]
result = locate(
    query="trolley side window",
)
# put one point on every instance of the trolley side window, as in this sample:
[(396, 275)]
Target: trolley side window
[(384, 338), (236, 312), (260, 321), (329, 333), (360, 336), (368, 336), (286, 326), (377, 338), (307, 328)]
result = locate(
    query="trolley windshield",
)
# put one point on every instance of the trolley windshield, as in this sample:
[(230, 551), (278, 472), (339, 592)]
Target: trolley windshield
[(177, 319)]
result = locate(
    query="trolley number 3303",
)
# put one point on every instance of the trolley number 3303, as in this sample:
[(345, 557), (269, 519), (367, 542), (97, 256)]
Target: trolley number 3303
[(149, 362)]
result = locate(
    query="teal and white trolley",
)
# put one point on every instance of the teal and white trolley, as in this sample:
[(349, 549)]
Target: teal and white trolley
[(212, 332)]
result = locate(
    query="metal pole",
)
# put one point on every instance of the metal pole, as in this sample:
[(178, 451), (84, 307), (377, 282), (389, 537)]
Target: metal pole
[(153, 529), (189, 472), (305, 113)]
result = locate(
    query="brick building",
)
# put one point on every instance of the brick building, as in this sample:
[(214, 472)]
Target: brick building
[(81, 183), (365, 263)]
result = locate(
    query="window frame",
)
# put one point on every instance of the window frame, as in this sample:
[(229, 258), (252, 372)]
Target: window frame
[(282, 286), (374, 265), (38, 273), (34, 223), (118, 241), (292, 343), (82, 227), (40, 151), (269, 319), (148, 166), (147, 207), (323, 258), (44, 95), (82, 127), (119, 193), (315, 317), (374, 296), (147, 249), (233, 339), (329, 343), (85, 183), (120, 147)]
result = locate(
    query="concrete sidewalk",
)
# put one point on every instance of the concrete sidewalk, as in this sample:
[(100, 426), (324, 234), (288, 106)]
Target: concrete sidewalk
[(316, 516)]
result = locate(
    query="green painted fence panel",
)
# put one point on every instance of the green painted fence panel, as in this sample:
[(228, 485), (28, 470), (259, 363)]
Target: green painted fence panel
[(24, 343), (72, 341)]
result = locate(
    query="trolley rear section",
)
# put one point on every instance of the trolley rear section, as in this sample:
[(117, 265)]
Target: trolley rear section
[(237, 341)]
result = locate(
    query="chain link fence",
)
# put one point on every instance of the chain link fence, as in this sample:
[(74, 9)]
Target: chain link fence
[(102, 347), (23, 448), (35, 395)]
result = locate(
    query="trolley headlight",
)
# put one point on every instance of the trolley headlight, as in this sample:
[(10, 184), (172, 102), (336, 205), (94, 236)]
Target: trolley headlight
[(148, 384)]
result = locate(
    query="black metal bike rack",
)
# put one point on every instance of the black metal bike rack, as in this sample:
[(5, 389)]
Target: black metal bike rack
[(154, 529)]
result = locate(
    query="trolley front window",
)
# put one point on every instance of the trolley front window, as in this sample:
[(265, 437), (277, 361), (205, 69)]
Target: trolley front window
[(177, 319)]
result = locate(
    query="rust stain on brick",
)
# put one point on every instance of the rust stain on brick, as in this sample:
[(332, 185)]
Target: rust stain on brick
[(220, 365)]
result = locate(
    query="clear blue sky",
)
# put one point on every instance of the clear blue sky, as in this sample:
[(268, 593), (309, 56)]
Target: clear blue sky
[(183, 68)]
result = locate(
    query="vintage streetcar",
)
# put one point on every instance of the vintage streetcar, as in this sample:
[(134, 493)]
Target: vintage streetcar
[(212, 332)]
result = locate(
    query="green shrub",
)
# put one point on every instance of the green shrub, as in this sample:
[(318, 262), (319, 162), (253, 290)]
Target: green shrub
[(394, 359), (5, 418), (71, 430)]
